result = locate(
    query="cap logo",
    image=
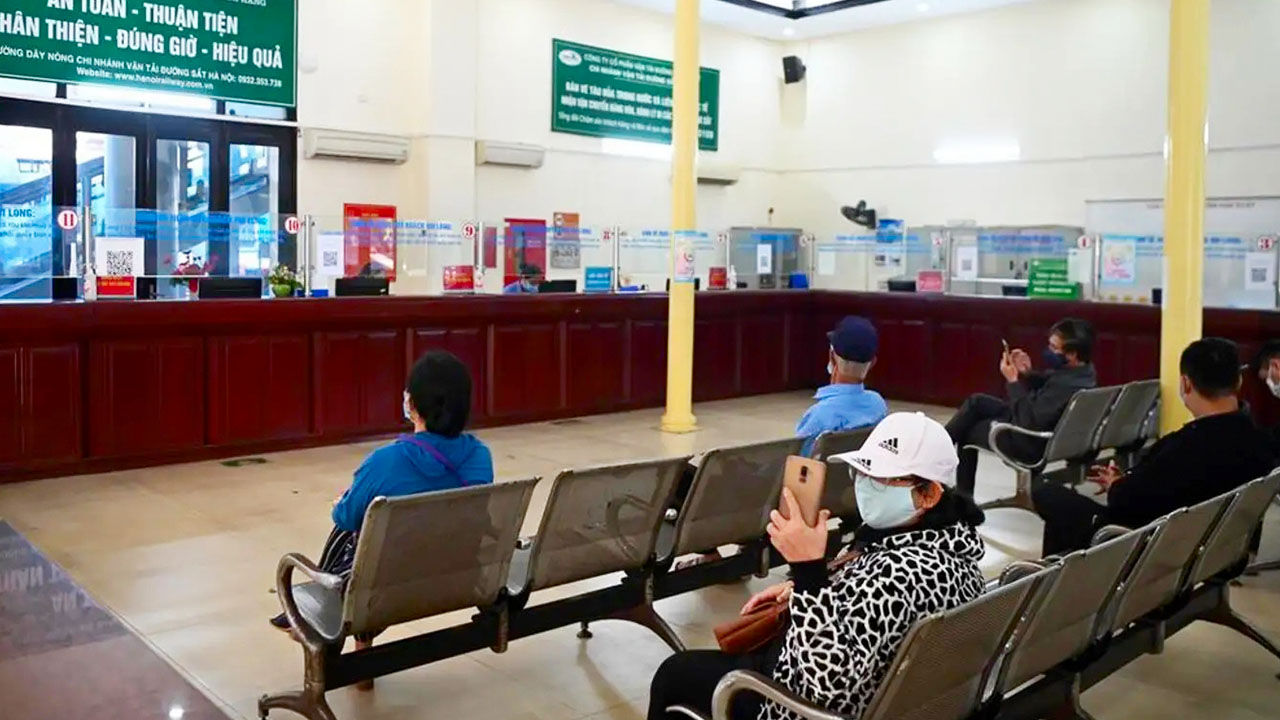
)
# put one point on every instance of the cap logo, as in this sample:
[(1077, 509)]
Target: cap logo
[(864, 462), (891, 445)]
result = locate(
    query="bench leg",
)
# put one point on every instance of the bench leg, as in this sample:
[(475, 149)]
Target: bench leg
[(1021, 499), (309, 703), (1071, 709), (584, 631), (1223, 615), (648, 617), (1262, 567)]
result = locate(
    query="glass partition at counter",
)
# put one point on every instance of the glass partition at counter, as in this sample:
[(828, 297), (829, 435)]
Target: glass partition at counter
[(1240, 250), (645, 258), (763, 258), (1038, 261), (41, 251), (385, 255)]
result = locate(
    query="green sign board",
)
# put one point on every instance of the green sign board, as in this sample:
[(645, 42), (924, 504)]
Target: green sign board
[(1049, 278), (230, 49), (603, 93)]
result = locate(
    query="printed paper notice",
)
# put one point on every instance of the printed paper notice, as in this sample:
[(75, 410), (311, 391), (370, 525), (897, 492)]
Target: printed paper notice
[(967, 262), (764, 259), (826, 262), (1119, 261), (329, 254), (1259, 271)]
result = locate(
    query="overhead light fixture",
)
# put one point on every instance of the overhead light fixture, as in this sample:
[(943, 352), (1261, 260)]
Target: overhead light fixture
[(977, 151), (788, 31)]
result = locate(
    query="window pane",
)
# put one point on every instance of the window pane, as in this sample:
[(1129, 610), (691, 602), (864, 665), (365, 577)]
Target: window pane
[(182, 214), (255, 203), (26, 207)]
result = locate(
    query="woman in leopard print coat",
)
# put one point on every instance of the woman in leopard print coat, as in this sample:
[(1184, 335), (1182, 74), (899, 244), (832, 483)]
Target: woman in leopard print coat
[(917, 554)]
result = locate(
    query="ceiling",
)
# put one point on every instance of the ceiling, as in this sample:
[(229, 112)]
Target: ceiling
[(774, 26)]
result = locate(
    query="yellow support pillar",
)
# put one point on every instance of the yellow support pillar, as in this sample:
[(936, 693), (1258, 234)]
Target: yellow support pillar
[(1182, 318), (678, 417)]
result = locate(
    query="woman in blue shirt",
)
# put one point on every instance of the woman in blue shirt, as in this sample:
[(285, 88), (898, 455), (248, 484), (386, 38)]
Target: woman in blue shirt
[(437, 456)]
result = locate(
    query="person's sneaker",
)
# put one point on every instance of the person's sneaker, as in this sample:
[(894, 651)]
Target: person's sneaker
[(280, 622)]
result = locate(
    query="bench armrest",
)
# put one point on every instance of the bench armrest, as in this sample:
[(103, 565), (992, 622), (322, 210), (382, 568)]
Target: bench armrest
[(284, 589), (1108, 532), (999, 428), (745, 681)]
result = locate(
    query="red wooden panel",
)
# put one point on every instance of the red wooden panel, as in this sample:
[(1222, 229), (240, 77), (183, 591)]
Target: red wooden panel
[(382, 379), (715, 359), (259, 388), (763, 342), (340, 369), (146, 396), (648, 362), (11, 405), (52, 424), (1142, 357), (527, 368), (950, 340), (596, 357)]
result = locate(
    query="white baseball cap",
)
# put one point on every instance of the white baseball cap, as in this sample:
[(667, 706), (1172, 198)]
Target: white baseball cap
[(906, 444)]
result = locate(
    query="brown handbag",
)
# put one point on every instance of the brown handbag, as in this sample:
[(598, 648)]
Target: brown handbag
[(754, 631)]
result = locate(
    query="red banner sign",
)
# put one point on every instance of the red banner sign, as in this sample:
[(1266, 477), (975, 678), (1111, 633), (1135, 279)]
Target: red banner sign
[(459, 278), (929, 281), (718, 278), (116, 287)]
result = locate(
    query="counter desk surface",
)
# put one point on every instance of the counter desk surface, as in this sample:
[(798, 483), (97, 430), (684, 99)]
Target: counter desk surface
[(89, 387)]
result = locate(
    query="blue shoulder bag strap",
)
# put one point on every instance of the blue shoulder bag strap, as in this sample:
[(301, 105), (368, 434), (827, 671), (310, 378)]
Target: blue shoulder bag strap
[(435, 453)]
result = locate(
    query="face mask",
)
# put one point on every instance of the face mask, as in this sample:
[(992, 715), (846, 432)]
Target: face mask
[(1273, 386), (884, 506), (407, 415), (830, 368), (1054, 360)]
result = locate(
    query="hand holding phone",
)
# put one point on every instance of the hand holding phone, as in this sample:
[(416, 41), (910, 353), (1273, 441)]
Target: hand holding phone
[(805, 478)]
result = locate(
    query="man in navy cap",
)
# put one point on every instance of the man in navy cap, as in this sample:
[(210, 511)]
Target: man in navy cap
[(846, 403)]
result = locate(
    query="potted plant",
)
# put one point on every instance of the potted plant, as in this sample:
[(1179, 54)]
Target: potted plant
[(283, 281)]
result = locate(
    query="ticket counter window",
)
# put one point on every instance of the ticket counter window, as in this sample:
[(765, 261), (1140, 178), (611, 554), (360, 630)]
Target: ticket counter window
[(255, 202), (107, 183), (26, 207), (182, 213)]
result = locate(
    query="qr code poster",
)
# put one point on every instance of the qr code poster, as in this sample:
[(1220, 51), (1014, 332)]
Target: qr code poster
[(119, 257), (329, 254)]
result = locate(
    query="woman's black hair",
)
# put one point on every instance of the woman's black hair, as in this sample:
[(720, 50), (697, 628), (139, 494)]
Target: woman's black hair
[(955, 506), (439, 388)]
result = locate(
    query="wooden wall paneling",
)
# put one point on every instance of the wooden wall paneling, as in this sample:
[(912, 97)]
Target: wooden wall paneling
[(763, 341), (339, 395), (526, 369), (146, 396), (715, 358), (648, 362), (468, 344), (12, 409), (595, 354), (382, 376), (53, 394)]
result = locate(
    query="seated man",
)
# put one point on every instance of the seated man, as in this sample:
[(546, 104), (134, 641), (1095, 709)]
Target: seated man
[(1267, 366), (845, 404), (1217, 452), (1035, 399), (528, 282)]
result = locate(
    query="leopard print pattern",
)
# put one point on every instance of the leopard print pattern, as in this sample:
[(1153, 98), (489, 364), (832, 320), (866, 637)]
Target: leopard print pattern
[(842, 640)]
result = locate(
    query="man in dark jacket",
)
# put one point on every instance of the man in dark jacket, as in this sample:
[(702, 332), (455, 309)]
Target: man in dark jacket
[(1218, 451), (1035, 399)]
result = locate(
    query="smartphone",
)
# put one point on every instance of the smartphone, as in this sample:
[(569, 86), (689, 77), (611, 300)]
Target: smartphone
[(1005, 343), (805, 477)]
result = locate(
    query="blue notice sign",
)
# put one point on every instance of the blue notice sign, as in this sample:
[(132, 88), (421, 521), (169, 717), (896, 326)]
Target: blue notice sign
[(599, 279)]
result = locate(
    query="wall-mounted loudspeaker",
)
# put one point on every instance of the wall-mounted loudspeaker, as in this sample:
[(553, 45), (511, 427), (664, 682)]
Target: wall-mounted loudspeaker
[(793, 69)]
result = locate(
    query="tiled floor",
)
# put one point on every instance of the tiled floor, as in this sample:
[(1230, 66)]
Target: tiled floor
[(186, 556)]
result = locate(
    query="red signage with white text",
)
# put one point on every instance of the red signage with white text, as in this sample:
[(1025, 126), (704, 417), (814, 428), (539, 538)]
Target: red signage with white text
[(459, 278), (717, 278), (116, 287), (929, 281), (369, 240)]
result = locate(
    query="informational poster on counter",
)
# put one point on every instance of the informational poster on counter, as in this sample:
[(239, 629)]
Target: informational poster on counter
[(764, 259), (966, 262), (566, 241), (1259, 271), (826, 262), (118, 256), (329, 248), (1119, 261)]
